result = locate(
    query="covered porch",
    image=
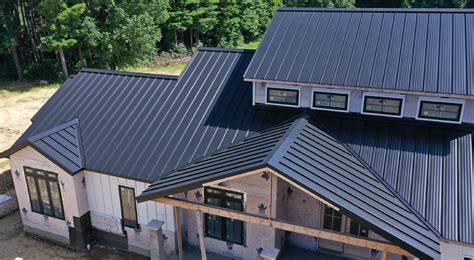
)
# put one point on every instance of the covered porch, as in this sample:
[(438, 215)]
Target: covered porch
[(292, 184)]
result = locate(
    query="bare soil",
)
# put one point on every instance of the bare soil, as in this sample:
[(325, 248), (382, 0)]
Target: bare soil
[(16, 110)]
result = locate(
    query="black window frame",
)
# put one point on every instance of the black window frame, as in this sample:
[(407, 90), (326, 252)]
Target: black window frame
[(400, 109), (298, 92), (332, 215), (46, 177), (124, 224), (359, 226), (420, 110), (346, 106), (223, 198)]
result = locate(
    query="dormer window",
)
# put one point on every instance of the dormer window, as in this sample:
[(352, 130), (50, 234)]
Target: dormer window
[(333, 100), (386, 105), (283, 95), (440, 110)]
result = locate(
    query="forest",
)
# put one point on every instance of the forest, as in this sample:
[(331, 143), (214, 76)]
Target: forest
[(51, 39)]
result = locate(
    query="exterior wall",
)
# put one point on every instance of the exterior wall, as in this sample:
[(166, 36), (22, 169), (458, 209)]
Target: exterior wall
[(73, 194), (256, 191), (410, 108), (106, 215), (456, 251)]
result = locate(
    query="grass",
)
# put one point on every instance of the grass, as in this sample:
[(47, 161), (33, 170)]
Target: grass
[(174, 69), (250, 45), (8, 88)]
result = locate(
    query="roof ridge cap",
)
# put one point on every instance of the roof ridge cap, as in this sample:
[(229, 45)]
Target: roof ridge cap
[(129, 73), (377, 10)]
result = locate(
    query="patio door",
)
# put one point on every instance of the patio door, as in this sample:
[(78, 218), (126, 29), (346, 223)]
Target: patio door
[(332, 220), (336, 221)]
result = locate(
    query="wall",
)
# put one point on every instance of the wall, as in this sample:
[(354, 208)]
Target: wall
[(456, 251), (410, 109), (256, 191), (106, 215), (72, 192)]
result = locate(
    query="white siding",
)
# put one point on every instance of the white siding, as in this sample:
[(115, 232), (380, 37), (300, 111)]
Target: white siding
[(103, 195)]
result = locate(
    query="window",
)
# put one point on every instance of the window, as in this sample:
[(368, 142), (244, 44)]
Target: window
[(224, 228), (383, 105), (330, 100), (358, 229), (129, 207), (44, 192), (283, 96), (332, 219), (442, 111)]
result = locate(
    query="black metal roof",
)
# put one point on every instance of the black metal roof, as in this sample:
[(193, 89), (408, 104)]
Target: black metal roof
[(62, 145), (420, 50), (304, 152), (431, 168), (140, 126)]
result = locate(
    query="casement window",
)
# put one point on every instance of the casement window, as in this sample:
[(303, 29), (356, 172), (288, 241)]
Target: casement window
[(439, 111), (381, 105), (226, 229), (358, 229), (332, 219), (286, 96), (44, 192), (330, 100), (129, 207)]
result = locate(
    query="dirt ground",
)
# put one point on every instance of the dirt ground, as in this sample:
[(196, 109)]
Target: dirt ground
[(15, 244), (16, 109)]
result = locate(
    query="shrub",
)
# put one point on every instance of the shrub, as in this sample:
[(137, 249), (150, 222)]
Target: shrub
[(47, 70), (179, 49)]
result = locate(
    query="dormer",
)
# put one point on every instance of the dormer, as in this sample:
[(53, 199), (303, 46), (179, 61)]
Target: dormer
[(399, 63)]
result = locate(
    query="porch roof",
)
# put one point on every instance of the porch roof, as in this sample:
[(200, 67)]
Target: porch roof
[(304, 152)]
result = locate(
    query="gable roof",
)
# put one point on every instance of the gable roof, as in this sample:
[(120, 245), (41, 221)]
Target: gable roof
[(394, 50), (304, 152), (140, 126)]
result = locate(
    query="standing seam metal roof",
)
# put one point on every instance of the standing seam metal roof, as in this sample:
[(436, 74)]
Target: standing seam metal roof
[(421, 50), (140, 126), (305, 153)]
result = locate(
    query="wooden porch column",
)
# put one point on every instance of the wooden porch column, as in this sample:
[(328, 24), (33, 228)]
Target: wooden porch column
[(384, 255), (200, 227), (179, 231)]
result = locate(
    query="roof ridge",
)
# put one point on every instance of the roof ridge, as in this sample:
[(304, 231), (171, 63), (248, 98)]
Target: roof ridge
[(377, 10), (218, 49), (128, 73)]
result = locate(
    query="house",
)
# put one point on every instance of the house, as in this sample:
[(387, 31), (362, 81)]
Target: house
[(348, 131)]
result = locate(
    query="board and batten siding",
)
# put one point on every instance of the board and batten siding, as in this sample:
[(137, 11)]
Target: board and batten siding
[(103, 196)]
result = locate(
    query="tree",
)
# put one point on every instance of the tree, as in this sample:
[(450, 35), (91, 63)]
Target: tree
[(228, 32), (62, 22), (9, 36)]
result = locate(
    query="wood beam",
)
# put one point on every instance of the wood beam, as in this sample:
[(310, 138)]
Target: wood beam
[(200, 227), (284, 225), (179, 231)]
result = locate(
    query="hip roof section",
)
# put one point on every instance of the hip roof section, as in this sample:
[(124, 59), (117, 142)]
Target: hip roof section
[(419, 50)]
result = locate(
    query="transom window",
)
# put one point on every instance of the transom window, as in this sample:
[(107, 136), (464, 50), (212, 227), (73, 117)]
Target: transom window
[(226, 229), (440, 111), (332, 219), (383, 105), (129, 207), (330, 101), (282, 96), (44, 192)]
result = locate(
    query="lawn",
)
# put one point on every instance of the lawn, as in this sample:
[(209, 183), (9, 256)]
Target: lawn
[(19, 101)]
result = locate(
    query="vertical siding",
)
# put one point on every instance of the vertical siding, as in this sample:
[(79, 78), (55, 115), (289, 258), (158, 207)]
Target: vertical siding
[(103, 197)]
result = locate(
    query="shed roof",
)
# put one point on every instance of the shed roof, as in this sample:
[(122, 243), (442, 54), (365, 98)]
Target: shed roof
[(304, 152), (419, 50)]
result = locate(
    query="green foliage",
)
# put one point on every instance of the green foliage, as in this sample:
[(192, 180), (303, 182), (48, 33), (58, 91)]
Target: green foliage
[(46, 70), (127, 33)]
